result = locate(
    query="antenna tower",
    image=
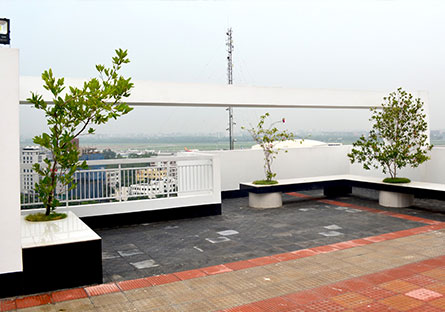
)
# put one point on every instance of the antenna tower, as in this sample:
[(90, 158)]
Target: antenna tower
[(229, 44)]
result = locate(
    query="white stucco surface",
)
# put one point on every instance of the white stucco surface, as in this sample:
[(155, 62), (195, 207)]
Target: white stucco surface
[(10, 241), (215, 95)]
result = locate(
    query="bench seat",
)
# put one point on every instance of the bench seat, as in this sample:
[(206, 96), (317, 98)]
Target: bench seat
[(342, 185)]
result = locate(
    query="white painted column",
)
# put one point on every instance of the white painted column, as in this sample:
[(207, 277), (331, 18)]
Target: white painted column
[(10, 231)]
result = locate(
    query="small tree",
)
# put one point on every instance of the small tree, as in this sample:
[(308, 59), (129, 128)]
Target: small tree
[(398, 137), (267, 139), (70, 116)]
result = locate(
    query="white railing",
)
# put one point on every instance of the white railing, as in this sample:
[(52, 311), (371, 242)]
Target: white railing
[(121, 180)]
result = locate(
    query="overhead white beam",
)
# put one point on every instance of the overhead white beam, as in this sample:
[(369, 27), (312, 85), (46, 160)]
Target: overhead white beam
[(148, 93)]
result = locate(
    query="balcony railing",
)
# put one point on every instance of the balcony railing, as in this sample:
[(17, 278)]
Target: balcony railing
[(120, 180)]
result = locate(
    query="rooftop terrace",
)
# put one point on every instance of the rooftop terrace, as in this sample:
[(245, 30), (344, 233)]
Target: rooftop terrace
[(314, 254)]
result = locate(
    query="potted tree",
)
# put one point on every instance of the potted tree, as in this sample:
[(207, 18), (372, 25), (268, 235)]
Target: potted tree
[(398, 137), (74, 113), (268, 138)]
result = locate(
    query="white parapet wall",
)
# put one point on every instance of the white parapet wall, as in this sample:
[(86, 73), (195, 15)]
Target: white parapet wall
[(10, 233), (432, 171), (247, 165)]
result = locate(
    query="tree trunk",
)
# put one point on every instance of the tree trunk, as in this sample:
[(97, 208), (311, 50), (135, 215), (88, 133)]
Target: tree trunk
[(51, 196), (268, 168), (48, 209)]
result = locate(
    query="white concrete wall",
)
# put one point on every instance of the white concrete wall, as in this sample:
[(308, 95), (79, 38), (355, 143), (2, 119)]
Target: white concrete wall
[(247, 165), (10, 233), (431, 171), (434, 169)]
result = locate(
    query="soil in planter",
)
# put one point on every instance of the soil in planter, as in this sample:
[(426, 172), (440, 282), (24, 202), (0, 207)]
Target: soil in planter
[(265, 182), (396, 180), (41, 217)]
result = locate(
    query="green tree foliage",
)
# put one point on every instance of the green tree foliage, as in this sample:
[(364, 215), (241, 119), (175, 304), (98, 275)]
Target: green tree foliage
[(74, 112), (267, 139), (398, 137)]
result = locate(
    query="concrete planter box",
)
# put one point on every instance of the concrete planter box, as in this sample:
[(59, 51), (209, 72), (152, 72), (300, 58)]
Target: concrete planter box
[(60, 254), (265, 200), (395, 200)]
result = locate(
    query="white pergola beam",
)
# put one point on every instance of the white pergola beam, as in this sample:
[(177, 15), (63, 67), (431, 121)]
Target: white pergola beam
[(148, 93)]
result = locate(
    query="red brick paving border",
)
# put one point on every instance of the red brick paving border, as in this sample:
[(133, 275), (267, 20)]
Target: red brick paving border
[(133, 284), (185, 275), (162, 279), (217, 269), (7, 305), (33, 301), (69, 294), (363, 208), (240, 265), (102, 289), (380, 277)]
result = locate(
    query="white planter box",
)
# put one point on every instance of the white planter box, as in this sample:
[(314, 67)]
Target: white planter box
[(265, 200)]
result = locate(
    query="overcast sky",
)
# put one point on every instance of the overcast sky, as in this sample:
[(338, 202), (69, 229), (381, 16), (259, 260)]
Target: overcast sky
[(359, 44)]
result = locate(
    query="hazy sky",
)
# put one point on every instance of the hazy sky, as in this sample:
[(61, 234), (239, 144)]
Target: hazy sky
[(357, 44)]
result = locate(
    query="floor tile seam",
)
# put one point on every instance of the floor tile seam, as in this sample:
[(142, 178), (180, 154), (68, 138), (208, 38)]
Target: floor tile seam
[(333, 284), (274, 260), (363, 208)]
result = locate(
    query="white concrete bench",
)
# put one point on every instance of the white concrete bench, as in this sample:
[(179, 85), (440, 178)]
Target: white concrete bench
[(391, 195)]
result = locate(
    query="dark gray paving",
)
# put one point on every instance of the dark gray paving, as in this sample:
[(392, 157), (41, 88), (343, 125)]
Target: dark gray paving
[(241, 233)]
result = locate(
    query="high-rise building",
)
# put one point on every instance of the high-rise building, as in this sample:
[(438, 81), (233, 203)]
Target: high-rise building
[(30, 155)]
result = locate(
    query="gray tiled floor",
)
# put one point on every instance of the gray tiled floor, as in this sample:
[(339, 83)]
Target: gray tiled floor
[(166, 247)]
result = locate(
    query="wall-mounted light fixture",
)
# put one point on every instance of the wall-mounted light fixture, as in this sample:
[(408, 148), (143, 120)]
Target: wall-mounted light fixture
[(4, 31)]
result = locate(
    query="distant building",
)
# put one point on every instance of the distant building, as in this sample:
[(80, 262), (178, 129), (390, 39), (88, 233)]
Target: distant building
[(112, 178), (89, 184), (89, 151), (156, 173), (154, 188), (30, 155)]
